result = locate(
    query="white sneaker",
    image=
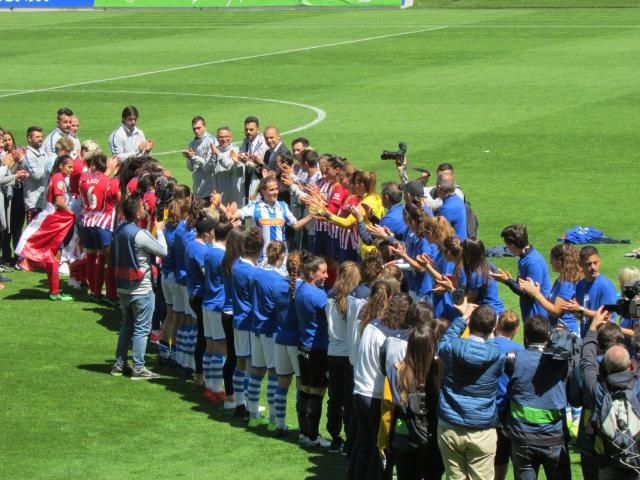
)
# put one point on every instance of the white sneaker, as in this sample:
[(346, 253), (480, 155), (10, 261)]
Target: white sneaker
[(319, 441)]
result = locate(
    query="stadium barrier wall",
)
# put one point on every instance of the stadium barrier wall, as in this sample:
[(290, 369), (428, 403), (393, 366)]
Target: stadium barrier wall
[(46, 3), (247, 3)]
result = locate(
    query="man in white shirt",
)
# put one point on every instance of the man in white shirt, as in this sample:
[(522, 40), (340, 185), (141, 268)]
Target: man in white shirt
[(63, 129), (252, 151), (228, 170), (73, 135), (128, 141), (199, 157)]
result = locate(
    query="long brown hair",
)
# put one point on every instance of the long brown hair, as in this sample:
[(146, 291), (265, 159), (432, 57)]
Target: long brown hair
[(569, 256), (438, 228), (378, 303), (395, 315), (233, 250), (420, 368), (347, 279)]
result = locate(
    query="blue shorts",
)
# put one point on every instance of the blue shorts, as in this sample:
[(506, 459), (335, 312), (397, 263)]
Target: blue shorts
[(96, 238)]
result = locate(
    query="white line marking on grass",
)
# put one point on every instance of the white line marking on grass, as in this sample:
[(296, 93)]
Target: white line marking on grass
[(226, 60), (320, 114), (308, 27)]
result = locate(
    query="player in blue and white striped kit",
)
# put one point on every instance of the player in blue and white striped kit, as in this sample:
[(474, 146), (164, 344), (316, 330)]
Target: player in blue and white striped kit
[(270, 214), (243, 276), (269, 284)]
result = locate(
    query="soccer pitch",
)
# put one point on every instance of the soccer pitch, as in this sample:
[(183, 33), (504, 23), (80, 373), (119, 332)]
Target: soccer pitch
[(536, 109)]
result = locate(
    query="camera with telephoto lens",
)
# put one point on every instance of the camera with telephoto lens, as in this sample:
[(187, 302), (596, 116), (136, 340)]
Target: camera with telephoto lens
[(627, 306), (165, 191), (397, 155)]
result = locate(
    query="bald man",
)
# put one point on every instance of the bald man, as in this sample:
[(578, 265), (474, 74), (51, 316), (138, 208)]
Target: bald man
[(275, 147)]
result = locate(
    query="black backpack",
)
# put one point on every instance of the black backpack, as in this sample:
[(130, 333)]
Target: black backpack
[(472, 221), (411, 428)]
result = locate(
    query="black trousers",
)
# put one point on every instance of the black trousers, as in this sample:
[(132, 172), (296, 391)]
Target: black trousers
[(230, 362), (339, 406), (201, 342)]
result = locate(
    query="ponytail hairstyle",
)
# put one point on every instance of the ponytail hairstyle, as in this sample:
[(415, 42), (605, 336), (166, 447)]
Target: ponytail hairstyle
[(233, 250), (378, 303), (367, 179), (253, 242), (568, 255), (311, 265), (293, 267), (372, 266), (395, 314), (347, 279), (474, 260), (222, 228), (275, 250), (61, 161), (420, 368), (204, 223), (195, 210)]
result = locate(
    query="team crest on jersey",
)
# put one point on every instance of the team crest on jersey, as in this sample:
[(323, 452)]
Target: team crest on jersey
[(271, 222), (60, 185)]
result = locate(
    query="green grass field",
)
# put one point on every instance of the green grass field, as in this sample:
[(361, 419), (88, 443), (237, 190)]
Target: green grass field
[(537, 109)]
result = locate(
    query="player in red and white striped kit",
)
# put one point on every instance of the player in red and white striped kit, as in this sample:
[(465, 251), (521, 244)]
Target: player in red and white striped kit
[(98, 206)]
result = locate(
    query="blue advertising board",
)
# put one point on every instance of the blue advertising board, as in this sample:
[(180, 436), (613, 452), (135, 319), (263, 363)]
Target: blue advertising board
[(46, 3)]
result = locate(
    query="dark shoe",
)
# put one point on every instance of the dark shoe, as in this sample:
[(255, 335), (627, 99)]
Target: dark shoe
[(337, 445), (118, 371), (4, 279)]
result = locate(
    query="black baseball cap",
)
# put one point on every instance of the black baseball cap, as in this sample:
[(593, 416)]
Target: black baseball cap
[(413, 187)]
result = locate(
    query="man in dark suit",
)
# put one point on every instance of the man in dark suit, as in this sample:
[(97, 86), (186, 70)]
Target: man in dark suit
[(276, 147)]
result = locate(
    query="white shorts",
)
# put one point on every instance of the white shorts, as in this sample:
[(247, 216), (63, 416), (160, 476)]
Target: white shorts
[(178, 299), (169, 289), (262, 351), (186, 307), (242, 342), (286, 359), (213, 325)]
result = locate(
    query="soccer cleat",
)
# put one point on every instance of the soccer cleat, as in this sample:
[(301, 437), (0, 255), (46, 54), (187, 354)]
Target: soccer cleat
[(143, 374), (155, 335), (241, 411), (60, 297), (272, 427), (258, 422), (4, 279)]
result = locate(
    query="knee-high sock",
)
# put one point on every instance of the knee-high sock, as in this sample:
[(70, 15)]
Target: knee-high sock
[(253, 397), (272, 385), (280, 402), (90, 268), (53, 277), (215, 369), (98, 279), (206, 369), (238, 386)]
